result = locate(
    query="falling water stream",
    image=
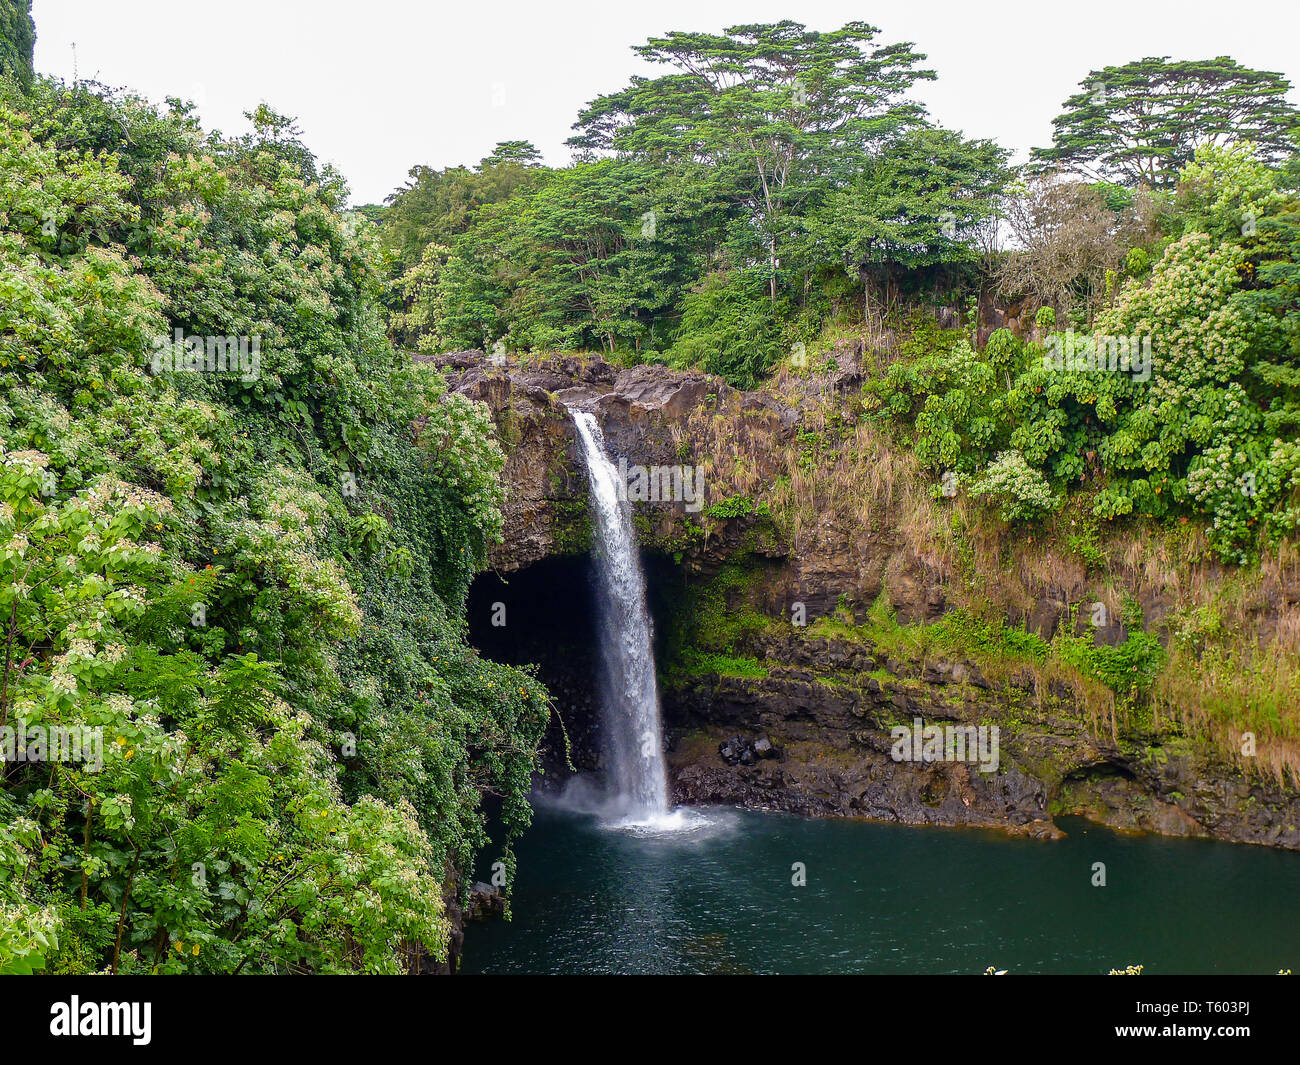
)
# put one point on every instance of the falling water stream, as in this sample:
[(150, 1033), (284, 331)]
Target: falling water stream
[(628, 690)]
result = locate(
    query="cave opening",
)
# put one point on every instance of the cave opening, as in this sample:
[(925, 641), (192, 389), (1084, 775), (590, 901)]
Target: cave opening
[(545, 614)]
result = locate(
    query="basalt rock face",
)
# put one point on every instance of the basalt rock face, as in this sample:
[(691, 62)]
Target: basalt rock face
[(813, 735), (834, 712), (545, 511), (643, 412), (545, 506)]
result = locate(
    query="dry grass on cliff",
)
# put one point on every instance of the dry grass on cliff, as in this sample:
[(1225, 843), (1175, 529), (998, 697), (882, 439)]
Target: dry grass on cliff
[(1232, 635), (827, 471), (1233, 663), (1233, 641), (1234, 660), (1227, 700)]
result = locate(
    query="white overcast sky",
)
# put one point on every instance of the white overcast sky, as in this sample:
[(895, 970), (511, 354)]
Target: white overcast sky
[(381, 85)]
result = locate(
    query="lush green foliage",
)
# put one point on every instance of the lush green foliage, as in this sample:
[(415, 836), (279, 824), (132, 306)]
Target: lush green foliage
[(591, 256), (715, 214), (957, 402), (738, 507), (1020, 492), (248, 585), (1128, 669), (913, 206), (425, 217), (17, 39), (728, 329), (1202, 416)]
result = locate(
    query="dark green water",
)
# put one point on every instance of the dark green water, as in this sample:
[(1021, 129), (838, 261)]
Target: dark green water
[(885, 899)]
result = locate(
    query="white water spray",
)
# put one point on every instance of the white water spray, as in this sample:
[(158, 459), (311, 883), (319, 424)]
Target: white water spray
[(629, 692)]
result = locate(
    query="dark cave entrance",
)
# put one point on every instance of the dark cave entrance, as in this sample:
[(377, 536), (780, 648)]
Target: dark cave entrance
[(550, 619)]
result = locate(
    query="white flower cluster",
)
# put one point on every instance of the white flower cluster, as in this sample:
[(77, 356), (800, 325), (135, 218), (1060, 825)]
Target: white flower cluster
[(28, 462)]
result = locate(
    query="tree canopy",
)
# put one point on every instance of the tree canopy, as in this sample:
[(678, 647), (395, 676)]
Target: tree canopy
[(1142, 122), (778, 110), (745, 169)]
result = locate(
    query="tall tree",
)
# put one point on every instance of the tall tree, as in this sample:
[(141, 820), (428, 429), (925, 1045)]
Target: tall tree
[(17, 39), (524, 153), (780, 110), (436, 205), (1142, 122), (913, 207), (598, 253)]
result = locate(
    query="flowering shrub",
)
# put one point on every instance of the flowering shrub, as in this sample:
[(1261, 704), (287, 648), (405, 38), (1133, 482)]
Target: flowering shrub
[(241, 586), (1018, 490), (1209, 427)]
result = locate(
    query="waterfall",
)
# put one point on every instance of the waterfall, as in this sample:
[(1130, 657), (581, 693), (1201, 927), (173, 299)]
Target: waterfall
[(628, 690)]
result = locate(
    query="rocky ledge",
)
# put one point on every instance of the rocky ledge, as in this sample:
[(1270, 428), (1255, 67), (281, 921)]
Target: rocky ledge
[(642, 411), (813, 737)]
